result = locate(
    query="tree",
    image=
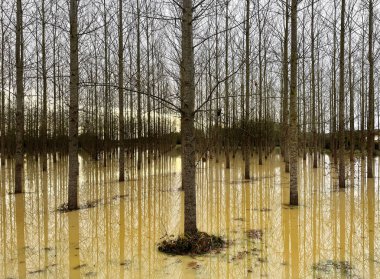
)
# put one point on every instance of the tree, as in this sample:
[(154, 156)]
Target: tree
[(187, 88), (19, 158), (121, 95), (313, 100), (247, 87), (342, 181), (2, 88), (285, 85), (371, 100), (73, 109), (226, 89), (293, 129), (44, 92)]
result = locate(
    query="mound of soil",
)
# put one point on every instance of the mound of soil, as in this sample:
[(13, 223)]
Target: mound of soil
[(198, 244)]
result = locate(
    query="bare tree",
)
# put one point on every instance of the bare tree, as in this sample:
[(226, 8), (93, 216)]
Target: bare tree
[(19, 158), (121, 95), (371, 100), (187, 117), (293, 129), (342, 181), (73, 110)]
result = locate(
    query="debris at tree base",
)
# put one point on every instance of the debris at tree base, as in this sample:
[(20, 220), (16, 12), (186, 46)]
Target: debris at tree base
[(255, 234), (198, 243), (331, 266), (89, 204)]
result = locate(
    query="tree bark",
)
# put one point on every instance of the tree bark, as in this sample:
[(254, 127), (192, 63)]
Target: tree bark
[(44, 93), (371, 101), (227, 101), (187, 118), (73, 109), (285, 104), (293, 135), (121, 95), (342, 181), (19, 158), (246, 116)]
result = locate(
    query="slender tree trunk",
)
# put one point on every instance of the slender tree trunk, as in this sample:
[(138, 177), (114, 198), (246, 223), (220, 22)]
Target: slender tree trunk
[(73, 110), (44, 93), (121, 95), (139, 113), (247, 79), (293, 135), (227, 101), (333, 130), (285, 77), (187, 118), (352, 127), (260, 136), (2, 88), (55, 88), (19, 158), (313, 100), (342, 181), (106, 88), (371, 100)]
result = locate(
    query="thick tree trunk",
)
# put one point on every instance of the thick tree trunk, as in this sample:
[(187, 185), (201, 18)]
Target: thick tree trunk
[(293, 135), (19, 158), (73, 110), (342, 181), (187, 118)]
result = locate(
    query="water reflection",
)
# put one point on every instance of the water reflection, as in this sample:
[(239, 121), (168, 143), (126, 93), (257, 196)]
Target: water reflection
[(116, 235)]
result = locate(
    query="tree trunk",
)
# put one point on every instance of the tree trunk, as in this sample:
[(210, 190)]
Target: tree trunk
[(19, 158), (121, 96), (342, 181), (285, 105), (246, 117), (73, 110), (139, 113), (313, 100), (44, 93), (227, 101), (2, 89), (371, 101), (187, 118), (293, 135)]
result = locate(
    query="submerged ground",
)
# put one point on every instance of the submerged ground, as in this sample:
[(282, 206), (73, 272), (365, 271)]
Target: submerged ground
[(331, 234)]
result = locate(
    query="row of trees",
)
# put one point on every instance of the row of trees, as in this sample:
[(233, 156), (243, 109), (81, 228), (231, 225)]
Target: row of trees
[(124, 73)]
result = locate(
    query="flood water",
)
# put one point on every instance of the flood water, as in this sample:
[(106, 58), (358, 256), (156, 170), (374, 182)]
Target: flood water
[(332, 234)]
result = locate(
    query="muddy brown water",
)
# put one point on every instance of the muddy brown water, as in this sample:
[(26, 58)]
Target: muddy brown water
[(332, 234)]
